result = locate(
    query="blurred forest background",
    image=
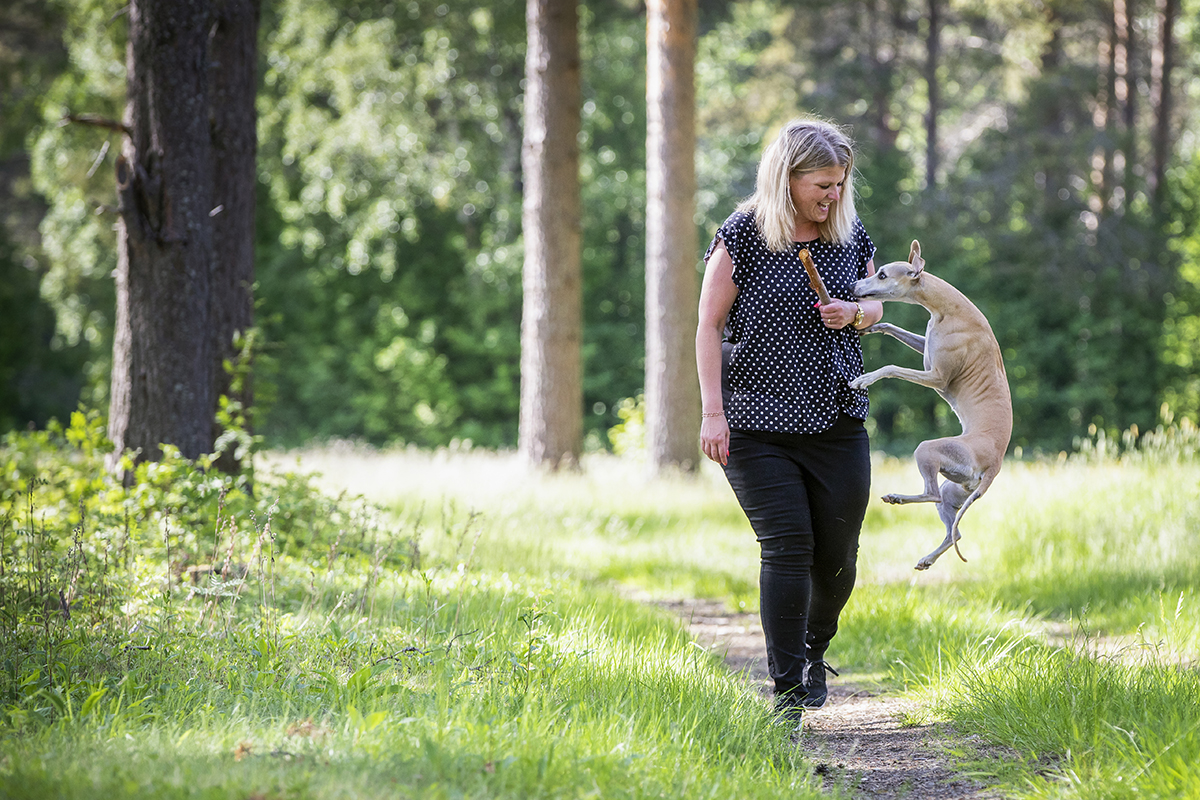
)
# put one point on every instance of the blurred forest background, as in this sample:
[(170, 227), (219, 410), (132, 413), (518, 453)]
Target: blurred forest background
[(1044, 153)]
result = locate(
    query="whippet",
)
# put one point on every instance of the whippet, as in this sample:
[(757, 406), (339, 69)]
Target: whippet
[(963, 365)]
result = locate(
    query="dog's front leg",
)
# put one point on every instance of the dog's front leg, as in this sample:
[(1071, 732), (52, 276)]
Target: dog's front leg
[(930, 379), (913, 340)]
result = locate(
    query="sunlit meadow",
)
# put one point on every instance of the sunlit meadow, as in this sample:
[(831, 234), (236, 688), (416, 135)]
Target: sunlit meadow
[(466, 628)]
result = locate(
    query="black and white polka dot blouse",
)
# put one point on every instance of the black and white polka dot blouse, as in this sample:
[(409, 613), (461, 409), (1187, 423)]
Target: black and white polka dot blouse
[(787, 372)]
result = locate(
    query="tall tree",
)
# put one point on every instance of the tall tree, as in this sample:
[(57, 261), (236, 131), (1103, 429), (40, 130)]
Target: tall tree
[(551, 420), (672, 391), (933, 56), (1162, 96), (167, 342), (1125, 19)]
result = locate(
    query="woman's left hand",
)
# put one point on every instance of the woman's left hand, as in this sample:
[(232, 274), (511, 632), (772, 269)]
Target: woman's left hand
[(838, 314)]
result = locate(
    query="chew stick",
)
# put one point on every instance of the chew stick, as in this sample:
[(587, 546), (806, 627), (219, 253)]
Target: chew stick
[(814, 277)]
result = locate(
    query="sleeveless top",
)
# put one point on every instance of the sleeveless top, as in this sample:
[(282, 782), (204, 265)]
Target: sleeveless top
[(784, 371)]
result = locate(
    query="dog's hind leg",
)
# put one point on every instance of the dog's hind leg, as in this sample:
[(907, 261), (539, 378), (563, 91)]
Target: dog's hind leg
[(935, 458), (985, 481), (953, 499)]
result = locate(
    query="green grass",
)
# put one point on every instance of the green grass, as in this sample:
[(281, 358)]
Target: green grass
[(1081, 573), (532, 688), (488, 635)]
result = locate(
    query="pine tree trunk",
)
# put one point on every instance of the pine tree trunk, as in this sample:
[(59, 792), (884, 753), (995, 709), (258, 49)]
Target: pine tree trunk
[(1127, 91), (551, 420), (1163, 97), (672, 387), (1108, 67), (162, 387), (933, 55)]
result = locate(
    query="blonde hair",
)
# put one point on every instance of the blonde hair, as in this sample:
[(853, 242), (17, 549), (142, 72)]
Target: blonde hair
[(804, 145)]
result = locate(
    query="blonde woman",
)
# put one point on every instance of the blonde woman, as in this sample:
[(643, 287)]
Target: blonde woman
[(778, 413)]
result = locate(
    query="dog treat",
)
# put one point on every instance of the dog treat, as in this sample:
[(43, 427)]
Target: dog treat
[(814, 277)]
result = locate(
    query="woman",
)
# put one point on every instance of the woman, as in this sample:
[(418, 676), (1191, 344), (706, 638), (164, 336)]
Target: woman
[(782, 420)]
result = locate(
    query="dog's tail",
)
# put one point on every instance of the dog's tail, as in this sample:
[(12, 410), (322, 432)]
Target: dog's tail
[(984, 483)]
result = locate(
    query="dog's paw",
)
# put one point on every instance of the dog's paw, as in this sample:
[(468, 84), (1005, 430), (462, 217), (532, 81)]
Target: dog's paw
[(923, 564), (892, 499), (860, 382)]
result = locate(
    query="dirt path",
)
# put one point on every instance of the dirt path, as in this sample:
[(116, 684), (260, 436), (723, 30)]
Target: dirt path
[(859, 740)]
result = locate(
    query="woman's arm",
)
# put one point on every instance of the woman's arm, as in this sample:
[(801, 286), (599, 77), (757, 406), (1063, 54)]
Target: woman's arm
[(841, 313), (717, 294)]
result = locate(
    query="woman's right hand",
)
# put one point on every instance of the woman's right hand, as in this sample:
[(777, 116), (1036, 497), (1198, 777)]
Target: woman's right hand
[(714, 438)]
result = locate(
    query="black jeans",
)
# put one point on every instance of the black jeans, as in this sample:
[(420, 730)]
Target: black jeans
[(805, 496)]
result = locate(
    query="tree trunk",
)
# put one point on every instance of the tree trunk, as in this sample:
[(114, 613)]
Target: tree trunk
[(933, 55), (1108, 125), (1127, 90), (672, 387), (1057, 210), (883, 131), (551, 420), (1163, 98), (162, 387), (234, 55)]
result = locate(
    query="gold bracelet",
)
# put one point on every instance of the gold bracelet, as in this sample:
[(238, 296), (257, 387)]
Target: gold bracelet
[(858, 317), (707, 414)]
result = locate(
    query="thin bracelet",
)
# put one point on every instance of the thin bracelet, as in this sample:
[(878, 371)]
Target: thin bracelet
[(707, 414)]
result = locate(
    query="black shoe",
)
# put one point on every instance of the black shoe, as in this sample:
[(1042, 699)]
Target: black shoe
[(790, 706), (815, 690)]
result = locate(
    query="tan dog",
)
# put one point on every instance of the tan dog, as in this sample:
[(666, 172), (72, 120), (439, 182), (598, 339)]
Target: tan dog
[(963, 364)]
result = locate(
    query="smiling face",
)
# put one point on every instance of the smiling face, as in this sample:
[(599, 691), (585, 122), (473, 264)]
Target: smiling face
[(815, 193)]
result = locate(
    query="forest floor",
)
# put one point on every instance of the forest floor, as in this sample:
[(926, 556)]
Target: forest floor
[(863, 739)]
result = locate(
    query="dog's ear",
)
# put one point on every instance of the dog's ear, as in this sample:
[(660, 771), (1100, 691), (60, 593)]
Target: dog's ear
[(914, 258)]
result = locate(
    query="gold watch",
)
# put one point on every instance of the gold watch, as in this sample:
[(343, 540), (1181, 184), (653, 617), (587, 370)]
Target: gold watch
[(858, 316)]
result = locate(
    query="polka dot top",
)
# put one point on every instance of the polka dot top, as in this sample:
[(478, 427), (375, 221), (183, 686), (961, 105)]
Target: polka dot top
[(785, 371)]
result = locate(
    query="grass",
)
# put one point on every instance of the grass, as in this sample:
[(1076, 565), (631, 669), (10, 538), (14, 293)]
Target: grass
[(1082, 572), (468, 630)]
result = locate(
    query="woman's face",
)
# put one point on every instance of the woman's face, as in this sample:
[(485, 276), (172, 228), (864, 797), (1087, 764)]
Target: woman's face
[(814, 193)]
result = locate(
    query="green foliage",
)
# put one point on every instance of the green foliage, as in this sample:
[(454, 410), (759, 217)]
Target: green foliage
[(389, 240), (391, 275), (1181, 328), (482, 651), (330, 661), (31, 53), (39, 374), (72, 167), (628, 437), (390, 266)]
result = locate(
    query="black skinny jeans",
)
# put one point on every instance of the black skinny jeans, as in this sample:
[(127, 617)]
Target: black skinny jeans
[(805, 496)]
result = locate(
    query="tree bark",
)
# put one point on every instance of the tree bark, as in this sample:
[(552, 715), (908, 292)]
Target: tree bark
[(1127, 90), (551, 418), (162, 387), (933, 55), (233, 48), (1163, 98), (1108, 65), (883, 131), (672, 388)]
